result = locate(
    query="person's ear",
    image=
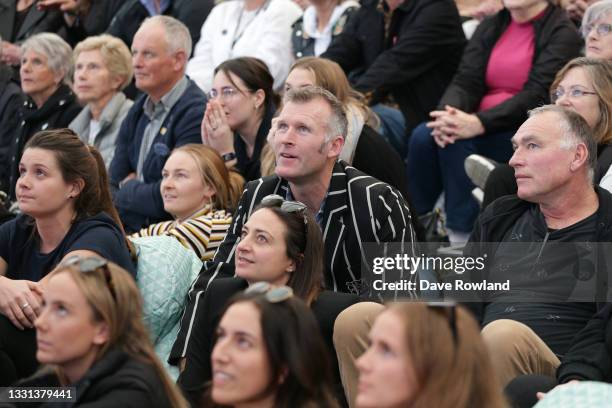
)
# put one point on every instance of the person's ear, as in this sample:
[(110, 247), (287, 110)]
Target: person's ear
[(179, 60), (291, 267), (581, 156), (335, 146), (259, 97), (76, 187), (116, 81), (102, 334)]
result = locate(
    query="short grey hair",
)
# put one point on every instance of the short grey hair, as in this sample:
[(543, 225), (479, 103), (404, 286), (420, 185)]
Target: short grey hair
[(337, 124), (575, 130), (177, 33), (55, 49), (594, 12)]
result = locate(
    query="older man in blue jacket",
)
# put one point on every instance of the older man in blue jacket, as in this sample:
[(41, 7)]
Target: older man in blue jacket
[(168, 115)]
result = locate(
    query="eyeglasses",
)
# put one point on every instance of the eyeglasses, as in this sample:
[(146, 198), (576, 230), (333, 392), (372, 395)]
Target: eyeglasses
[(573, 92), (89, 265), (452, 315), (273, 294), (226, 93), (600, 29)]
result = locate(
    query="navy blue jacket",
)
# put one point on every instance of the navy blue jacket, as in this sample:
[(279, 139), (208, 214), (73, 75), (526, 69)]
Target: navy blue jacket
[(139, 202)]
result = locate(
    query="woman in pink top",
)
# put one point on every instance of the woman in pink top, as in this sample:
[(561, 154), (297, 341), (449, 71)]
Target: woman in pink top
[(506, 69)]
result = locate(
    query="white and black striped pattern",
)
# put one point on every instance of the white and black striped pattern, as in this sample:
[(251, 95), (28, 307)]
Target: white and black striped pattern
[(358, 209)]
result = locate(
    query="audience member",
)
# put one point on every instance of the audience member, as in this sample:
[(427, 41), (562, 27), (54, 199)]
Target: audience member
[(241, 28), (506, 69), (596, 27), (583, 85), (46, 63), (426, 355), (11, 100), (362, 145), (286, 352), (239, 113), (576, 8), (19, 20), (554, 161), (407, 49), (279, 246), (63, 194), (102, 68), (200, 193), (90, 333), (309, 138), (128, 19), (166, 116), (322, 21)]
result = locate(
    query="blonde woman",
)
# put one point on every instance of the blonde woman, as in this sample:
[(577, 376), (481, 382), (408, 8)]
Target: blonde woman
[(91, 334), (102, 69), (201, 194)]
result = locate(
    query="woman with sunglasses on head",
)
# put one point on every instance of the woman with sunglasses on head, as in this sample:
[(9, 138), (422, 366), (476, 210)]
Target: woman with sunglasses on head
[(281, 244), (201, 194), (426, 355), (90, 334), (268, 353), (239, 113), (67, 209)]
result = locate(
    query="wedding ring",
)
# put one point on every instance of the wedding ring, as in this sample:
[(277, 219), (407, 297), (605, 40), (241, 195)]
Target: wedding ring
[(25, 305)]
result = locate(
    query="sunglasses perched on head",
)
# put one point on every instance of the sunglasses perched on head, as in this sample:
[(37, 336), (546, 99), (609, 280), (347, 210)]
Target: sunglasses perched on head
[(287, 206), (273, 294), (450, 311), (91, 264)]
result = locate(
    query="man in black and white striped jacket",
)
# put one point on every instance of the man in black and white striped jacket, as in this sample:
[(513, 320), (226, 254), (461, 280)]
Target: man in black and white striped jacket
[(350, 207)]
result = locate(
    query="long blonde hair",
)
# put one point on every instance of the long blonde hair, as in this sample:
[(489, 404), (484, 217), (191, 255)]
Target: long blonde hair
[(121, 310), (228, 184)]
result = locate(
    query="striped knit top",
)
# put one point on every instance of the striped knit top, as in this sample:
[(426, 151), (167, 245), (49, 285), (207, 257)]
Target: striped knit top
[(203, 232)]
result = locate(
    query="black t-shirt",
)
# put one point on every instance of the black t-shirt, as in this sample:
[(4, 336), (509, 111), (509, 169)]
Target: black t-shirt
[(19, 246), (539, 268)]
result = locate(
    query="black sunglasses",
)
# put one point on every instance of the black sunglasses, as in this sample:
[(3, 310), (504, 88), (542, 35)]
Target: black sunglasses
[(450, 311), (89, 265)]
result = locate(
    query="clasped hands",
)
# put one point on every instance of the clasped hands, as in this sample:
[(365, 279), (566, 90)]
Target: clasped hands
[(452, 124)]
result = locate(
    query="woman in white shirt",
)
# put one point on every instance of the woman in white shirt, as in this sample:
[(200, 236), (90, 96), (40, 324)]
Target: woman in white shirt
[(257, 28)]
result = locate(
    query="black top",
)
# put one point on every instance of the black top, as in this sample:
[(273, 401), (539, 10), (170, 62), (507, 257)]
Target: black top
[(413, 60), (250, 167), (116, 380), (198, 366), (556, 42), (545, 269), (19, 19), (57, 112), (19, 246)]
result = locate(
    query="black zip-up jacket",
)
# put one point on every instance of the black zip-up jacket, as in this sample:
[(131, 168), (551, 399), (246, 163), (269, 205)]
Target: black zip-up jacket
[(414, 62), (57, 112), (501, 215), (556, 42), (590, 356), (116, 380)]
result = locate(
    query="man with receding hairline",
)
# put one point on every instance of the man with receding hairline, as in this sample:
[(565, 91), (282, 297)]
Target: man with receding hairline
[(166, 116)]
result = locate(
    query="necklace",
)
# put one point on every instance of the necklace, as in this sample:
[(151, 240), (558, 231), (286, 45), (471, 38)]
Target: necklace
[(237, 36)]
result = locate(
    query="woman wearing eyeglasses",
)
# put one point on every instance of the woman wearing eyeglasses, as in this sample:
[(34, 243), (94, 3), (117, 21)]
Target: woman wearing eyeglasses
[(281, 244), (423, 356), (506, 69), (67, 209), (268, 353), (91, 336), (239, 113), (596, 29)]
